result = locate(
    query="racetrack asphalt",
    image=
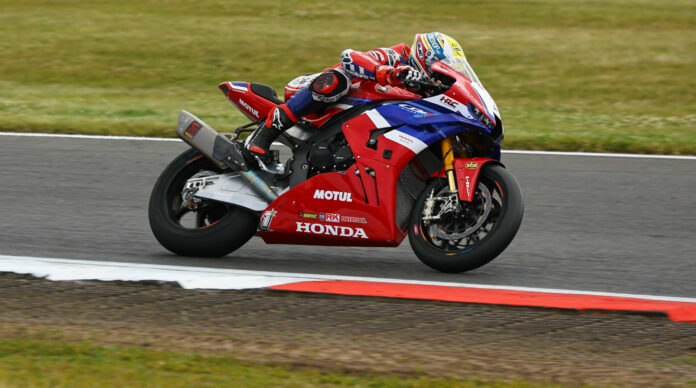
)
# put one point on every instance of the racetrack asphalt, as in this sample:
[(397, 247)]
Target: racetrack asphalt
[(591, 223)]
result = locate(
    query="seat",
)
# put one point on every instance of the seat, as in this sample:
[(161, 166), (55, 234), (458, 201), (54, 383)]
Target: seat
[(266, 92)]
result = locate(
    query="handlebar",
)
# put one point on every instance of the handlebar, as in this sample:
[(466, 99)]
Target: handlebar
[(426, 86)]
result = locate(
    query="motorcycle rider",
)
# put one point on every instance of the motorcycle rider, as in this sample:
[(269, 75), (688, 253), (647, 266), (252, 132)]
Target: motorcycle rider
[(386, 66)]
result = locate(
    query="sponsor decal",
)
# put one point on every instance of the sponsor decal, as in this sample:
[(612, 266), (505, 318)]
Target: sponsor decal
[(412, 143), (404, 139), (333, 217), (468, 186), (354, 220), (419, 50), (392, 56), (330, 230), (448, 101), (451, 104), (415, 111), (310, 216), (472, 165), (381, 88), (377, 55), (333, 195), (434, 43), (267, 218), (192, 129), (249, 108)]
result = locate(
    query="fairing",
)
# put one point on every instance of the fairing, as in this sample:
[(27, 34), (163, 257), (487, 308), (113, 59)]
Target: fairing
[(368, 204)]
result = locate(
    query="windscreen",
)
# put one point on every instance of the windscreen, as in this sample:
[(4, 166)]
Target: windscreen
[(460, 64)]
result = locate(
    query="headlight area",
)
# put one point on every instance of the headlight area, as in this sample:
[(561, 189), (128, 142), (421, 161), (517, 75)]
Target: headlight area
[(481, 117)]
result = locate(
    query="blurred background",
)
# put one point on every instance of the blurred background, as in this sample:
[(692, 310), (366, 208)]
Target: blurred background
[(611, 75), (571, 75)]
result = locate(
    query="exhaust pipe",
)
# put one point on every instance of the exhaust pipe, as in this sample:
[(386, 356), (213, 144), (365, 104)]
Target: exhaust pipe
[(224, 152)]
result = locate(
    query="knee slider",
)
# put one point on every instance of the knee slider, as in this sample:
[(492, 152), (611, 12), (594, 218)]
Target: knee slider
[(330, 86)]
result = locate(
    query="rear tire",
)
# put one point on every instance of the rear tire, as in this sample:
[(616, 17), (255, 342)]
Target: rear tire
[(218, 228), (475, 233)]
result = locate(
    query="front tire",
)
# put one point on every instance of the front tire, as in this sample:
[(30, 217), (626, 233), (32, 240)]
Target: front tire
[(450, 235), (213, 229)]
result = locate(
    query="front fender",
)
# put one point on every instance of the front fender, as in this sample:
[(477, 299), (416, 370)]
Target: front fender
[(466, 171)]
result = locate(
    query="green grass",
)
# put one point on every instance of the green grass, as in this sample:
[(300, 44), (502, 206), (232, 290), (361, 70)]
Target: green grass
[(610, 75), (49, 363)]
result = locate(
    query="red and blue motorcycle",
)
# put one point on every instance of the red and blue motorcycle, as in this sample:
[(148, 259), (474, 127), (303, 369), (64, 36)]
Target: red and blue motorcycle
[(381, 163)]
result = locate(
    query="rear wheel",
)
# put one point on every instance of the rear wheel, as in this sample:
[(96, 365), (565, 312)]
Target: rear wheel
[(451, 235), (205, 228)]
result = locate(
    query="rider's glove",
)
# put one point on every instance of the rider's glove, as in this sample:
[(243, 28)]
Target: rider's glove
[(389, 75), (407, 73)]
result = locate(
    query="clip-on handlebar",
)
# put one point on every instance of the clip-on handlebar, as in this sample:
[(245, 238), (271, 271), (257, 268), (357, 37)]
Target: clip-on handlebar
[(427, 86)]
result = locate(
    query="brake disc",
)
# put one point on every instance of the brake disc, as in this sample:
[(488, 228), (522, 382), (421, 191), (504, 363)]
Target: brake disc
[(484, 196)]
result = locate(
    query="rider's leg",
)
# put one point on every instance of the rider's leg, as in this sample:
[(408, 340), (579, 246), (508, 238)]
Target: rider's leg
[(279, 119), (328, 87)]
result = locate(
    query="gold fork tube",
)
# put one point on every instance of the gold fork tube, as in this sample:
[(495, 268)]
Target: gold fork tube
[(448, 157)]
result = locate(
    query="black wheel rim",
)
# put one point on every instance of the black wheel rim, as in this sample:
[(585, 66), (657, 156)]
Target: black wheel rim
[(207, 213)]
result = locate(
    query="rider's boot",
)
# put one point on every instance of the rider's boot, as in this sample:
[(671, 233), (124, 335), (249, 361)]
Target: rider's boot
[(258, 144)]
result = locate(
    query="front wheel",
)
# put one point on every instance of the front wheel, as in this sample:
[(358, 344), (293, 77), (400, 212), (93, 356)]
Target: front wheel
[(206, 228), (451, 235)]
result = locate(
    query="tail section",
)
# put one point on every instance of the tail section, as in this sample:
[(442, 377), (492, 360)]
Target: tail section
[(254, 100)]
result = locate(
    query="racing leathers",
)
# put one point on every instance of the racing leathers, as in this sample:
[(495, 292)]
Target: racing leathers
[(311, 93)]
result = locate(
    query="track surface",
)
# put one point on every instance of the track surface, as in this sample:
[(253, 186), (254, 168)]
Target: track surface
[(591, 223)]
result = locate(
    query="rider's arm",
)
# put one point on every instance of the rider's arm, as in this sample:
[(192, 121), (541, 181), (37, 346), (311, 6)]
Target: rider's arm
[(379, 65)]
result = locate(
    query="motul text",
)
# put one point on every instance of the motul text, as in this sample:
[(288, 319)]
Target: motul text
[(332, 195)]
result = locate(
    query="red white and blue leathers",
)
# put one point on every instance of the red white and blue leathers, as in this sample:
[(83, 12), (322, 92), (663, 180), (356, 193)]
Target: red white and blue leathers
[(334, 83), (310, 94)]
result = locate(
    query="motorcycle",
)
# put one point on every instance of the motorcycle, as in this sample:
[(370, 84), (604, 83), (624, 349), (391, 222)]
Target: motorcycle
[(381, 163)]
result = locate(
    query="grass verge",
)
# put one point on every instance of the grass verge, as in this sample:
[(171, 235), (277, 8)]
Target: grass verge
[(611, 75), (51, 363)]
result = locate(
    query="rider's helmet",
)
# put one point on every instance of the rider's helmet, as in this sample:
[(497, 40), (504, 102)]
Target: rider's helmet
[(432, 47)]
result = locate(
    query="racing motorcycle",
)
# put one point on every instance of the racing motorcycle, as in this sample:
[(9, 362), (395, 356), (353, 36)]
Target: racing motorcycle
[(381, 163)]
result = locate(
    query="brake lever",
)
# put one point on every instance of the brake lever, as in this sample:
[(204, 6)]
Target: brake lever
[(430, 88)]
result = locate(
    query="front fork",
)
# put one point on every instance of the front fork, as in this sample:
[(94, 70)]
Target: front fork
[(447, 149)]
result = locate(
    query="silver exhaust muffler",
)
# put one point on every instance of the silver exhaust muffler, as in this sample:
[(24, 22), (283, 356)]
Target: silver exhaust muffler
[(221, 150)]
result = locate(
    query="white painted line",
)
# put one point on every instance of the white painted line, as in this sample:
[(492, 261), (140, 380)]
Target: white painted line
[(598, 154), (221, 278), (520, 152), (59, 269), (90, 137)]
